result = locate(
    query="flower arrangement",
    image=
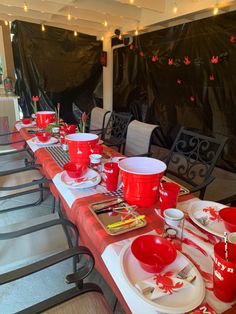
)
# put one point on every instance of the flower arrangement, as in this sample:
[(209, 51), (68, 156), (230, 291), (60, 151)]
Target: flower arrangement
[(82, 123), (35, 100)]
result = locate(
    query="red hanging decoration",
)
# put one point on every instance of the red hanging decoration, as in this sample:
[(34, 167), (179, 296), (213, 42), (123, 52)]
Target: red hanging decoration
[(170, 61), (212, 77), (187, 60), (214, 59), (131, 47), (192, 98), (141, 53), (179, 81), (232, 39), (154, 58)]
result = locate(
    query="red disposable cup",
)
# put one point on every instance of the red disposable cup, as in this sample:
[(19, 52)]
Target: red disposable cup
[(44, 118), (97, 149), (26, 120), (224, 273), (111, 170), (168, 195)]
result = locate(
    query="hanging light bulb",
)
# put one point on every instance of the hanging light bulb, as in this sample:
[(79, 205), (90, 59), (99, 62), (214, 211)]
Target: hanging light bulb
[(105, 23), (131, 1), (6, 22), (25, 7), (102, 38), (136, 32), (42, 28), (120, 37), (216, 10), (175, 9), (75, 33), (69, 16)]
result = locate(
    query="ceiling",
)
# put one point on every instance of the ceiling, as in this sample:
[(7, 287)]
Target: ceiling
[(89, 16)]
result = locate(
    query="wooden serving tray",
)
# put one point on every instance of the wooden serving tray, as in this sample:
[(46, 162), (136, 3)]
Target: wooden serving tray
[(110, 217)]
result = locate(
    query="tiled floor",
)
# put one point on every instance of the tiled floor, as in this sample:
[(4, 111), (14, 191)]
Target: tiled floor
[(224, 185)]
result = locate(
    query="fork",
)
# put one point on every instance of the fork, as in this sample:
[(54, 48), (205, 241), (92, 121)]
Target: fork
[(184, 273)]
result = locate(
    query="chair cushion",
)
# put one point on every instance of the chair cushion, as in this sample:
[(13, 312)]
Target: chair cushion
[(88, 303), (29, 248)]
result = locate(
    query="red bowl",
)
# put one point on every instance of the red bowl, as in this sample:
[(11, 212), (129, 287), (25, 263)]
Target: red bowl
[(43, 136), (75, 170), (228, 215), (153, 252), (26, 120)]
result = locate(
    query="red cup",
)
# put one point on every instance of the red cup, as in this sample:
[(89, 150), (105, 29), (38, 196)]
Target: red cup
[(44, 118), (228, 215), (168, 195), (224, 272), (97, 149), (111, 170), (70, 128)]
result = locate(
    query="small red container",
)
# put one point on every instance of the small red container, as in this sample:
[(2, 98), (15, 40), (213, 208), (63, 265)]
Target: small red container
[(228, 215), (168, 195), (111, 171), (75, 170), (44, 118), (26, 120), (43, 136), (153, 252)]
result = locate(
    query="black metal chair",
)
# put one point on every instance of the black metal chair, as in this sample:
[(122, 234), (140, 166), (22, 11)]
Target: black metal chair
[(192, 159), (23, 181), (38, 244), (114, 133), (230, 200)]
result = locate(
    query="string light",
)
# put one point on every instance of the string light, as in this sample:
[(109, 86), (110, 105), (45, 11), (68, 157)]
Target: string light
[(120, 37), (216, 10), (6, 22), (25, 7), (105, 23), (69, 16), (136, 32), (175, 9), (102, 38), (75, 33), (131, 1), (42, 28)]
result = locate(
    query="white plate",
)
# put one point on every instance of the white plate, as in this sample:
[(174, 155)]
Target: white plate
[(215, 227), (182, 301), (88, 183), (52, 141), (33, 123)]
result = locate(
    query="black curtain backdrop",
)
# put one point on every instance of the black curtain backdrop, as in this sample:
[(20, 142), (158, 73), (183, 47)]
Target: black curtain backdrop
[(56, 66), (183, 75)]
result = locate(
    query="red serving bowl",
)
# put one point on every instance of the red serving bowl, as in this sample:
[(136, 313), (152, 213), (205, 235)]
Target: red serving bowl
[(26, 120), (153, 252), (228, 215), (43, 136), (75, 170)]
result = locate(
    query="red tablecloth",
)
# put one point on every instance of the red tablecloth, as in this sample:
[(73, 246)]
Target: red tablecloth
[(91, 232)]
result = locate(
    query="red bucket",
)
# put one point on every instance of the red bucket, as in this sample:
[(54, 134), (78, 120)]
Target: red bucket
[(80, 146), (141, 178), (44, 118)]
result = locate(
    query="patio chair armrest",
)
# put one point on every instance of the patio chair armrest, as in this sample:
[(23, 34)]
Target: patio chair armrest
[(202, 185), (9, 133), (50, 261), (148, 154), (26, 185), (40, 226), (228, 200), (21, 169)]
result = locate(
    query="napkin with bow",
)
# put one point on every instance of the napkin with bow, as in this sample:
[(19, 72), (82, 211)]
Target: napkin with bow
[(160, 285)]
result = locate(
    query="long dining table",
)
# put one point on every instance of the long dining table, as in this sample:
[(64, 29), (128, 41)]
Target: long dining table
[(196, 244)]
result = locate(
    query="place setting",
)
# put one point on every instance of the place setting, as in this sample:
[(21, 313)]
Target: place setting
[(44, 139)]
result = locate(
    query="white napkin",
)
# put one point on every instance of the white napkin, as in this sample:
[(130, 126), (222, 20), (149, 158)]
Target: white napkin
[(162, 284)]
